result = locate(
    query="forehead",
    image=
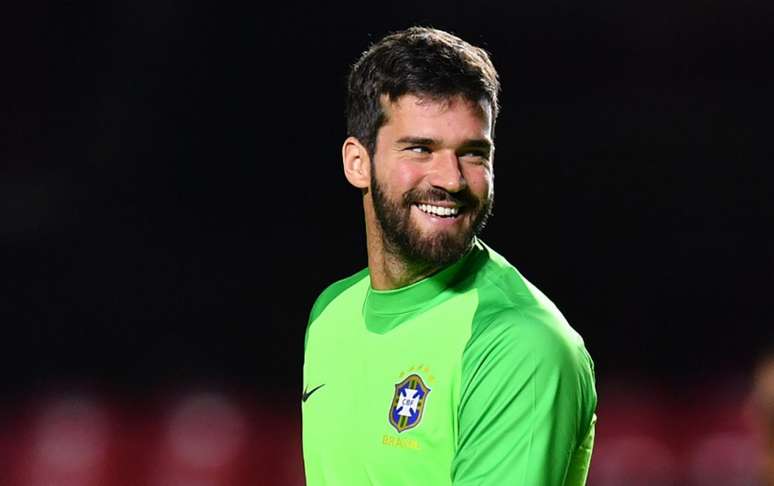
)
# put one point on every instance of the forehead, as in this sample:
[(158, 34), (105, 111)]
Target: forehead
[(416, 113)]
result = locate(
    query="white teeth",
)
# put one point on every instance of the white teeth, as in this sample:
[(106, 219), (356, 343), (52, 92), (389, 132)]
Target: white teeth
[(438, 210)]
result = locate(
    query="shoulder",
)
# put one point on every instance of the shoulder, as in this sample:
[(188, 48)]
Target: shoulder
[(516, 320), (334, 290), (329, 295), (538, 332), (514, 314)]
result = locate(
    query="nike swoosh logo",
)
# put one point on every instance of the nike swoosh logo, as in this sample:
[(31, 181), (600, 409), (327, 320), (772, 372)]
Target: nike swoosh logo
[(305, 396)]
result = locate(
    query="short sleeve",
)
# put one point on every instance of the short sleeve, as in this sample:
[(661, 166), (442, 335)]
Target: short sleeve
[(526, 413)]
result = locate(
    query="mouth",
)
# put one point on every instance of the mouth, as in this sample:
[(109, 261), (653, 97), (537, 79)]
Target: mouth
[(446, 212)]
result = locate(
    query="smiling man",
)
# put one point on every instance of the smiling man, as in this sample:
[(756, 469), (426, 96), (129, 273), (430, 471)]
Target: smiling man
[(438, 363)]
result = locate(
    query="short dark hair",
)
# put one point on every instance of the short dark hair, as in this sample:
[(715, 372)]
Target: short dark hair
[(420, 61)]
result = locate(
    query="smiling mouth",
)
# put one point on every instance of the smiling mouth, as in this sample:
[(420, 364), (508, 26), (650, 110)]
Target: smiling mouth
[(439, 211)]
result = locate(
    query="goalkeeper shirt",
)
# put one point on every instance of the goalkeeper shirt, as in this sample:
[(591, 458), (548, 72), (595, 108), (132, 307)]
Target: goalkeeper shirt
[(468, 377)]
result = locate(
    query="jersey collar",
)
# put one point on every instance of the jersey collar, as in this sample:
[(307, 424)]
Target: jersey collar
[(416, 296)]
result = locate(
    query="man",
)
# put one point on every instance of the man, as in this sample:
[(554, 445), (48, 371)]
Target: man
[(439, 363)]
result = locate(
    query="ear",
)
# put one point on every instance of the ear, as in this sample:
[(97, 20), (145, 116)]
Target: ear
[(357, 163)]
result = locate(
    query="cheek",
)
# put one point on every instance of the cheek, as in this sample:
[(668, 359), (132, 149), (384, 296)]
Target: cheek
[(407, 176), (480, 181)]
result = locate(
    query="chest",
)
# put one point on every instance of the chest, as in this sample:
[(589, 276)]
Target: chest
[(386, 402)]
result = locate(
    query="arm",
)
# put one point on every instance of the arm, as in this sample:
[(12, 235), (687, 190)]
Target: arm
[(527, 404)]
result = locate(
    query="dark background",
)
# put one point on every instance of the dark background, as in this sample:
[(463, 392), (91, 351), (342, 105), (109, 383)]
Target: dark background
[(172, 199)]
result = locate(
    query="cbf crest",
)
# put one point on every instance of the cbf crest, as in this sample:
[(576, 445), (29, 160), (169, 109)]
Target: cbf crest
[(408, 403)]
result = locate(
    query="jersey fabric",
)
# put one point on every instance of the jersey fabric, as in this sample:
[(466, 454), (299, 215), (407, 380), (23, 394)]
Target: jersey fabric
[(468, 377)]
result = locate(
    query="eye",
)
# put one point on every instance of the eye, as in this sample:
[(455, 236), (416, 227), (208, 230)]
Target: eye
[(419, 149), (476, 156)]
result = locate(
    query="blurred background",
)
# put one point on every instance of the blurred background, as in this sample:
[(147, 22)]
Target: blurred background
[(171, 203)]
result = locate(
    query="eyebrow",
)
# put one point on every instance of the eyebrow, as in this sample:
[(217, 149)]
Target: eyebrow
[(416, 141), (472, 143), (478, 143)]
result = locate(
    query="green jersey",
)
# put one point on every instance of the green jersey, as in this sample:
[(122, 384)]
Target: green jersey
[(468, 377)]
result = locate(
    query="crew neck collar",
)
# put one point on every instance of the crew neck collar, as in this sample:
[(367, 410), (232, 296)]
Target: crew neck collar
[(418, 294)]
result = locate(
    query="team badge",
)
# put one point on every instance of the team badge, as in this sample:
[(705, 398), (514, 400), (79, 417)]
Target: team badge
[(408, 403)]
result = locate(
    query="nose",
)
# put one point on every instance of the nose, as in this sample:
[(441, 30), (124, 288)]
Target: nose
[(446, 173)]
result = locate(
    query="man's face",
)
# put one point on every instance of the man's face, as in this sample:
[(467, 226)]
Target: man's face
[(431, 179)]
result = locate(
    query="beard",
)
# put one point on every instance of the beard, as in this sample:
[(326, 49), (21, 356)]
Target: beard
[(404, 238)]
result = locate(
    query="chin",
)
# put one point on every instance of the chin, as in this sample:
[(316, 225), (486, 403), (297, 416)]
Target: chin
[(440, 249)]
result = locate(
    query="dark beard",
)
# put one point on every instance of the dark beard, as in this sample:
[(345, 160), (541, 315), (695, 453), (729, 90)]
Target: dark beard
[(402, 238)]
